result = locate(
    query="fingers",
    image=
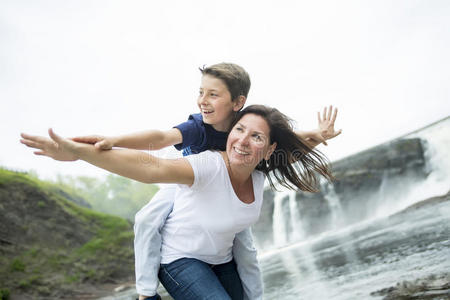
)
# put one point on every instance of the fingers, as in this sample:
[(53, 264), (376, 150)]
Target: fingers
[(318, 137), (318, 117), (39, 153), (101, 145), (336, 134), (334, 115), (330, 110), (35, 138), (54, 136), (31, 143), (90, 139)]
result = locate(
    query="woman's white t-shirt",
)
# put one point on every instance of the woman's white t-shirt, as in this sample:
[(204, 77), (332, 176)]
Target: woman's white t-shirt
[(207, 216)]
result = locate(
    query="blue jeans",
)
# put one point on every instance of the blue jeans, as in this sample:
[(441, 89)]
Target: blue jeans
[(192, 279)]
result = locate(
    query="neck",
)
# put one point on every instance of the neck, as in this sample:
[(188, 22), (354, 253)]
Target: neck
[(239, 175), (223, 127)]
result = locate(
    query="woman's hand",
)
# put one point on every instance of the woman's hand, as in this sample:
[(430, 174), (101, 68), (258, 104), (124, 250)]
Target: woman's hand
[(57, 147), (326, 123), (99, 142)]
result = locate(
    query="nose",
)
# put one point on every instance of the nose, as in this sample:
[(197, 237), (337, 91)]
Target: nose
[(244, 139), (202, 99)]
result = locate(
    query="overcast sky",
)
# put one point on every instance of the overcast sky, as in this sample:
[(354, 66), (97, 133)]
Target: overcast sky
[(112, 67)]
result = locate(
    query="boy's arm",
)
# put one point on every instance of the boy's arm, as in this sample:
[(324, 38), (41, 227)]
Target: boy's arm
[(144, 140), (244, 254), (325, 130)]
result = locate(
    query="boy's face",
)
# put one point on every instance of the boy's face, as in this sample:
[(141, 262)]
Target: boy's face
[(214, 101)]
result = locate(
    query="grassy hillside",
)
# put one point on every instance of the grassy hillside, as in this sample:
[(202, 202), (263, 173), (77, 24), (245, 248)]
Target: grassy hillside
[(50, 246)]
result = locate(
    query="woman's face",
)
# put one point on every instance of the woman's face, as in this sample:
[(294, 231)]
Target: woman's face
[(249, 141)]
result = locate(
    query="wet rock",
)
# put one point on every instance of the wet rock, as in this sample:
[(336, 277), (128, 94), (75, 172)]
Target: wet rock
[(436, 287)]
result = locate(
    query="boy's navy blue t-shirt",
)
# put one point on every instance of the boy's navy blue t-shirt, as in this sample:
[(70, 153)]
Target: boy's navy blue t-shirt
[(199, 137)]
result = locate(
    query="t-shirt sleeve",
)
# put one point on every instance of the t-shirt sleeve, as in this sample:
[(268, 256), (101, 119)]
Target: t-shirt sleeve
[(206, 166), (191, 132)]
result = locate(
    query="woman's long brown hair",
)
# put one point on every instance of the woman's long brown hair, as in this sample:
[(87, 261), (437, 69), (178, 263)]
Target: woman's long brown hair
[(293, 163)]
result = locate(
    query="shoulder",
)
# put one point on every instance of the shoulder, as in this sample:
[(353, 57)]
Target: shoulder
[(207, 166), (196, 117), (206, 159), (193, 120), (259, 177)]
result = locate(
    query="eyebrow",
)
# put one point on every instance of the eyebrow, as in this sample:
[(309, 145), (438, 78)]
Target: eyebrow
[(214, 90), (254, 130)]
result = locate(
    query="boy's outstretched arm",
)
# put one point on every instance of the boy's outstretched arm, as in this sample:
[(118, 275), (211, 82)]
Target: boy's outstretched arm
[(325, 130), (144, 140)]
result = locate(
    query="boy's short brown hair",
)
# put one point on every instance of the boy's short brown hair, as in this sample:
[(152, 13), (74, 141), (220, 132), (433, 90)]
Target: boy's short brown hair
[(235, 77)]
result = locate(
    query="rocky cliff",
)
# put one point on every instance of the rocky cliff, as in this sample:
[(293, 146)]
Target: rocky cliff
[(356, 194)]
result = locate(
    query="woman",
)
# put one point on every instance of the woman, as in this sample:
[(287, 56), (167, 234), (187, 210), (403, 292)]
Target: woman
[(220, 194)]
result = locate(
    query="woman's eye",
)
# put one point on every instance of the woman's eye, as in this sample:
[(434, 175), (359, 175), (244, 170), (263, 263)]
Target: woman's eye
[(213, 95), (239, 129), (200, 93)]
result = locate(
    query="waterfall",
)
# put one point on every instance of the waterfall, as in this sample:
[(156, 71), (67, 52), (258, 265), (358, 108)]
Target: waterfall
[(334, 203), (382, 204), (279, 225), (399, 193), (437, 137), (297, 233), (286, 229)]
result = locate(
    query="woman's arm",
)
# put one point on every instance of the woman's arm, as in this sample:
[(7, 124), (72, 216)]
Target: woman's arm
[(133, 164)]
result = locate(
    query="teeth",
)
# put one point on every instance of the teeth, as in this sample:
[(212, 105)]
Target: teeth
[(240, 152), (207, 111)]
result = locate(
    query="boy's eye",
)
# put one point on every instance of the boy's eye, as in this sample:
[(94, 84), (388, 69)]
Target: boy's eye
[(200, 93), (213, 95)]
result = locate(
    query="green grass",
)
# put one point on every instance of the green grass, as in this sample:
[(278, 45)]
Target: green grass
[(8, 177), (17, 265), (4, 294), (108, 252)]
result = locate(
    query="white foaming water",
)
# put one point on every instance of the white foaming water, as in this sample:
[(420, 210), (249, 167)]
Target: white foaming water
[(296, 224), (284, 233), (334, 203), (437, 156), (279, 225), (383, 196)]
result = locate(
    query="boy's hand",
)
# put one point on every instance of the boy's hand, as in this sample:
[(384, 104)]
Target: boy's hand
[(99, 142), (326, 123), (57, 148)]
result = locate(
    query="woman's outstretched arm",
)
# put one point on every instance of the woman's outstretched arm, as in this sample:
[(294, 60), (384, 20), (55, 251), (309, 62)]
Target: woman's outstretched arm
[(133, 164)]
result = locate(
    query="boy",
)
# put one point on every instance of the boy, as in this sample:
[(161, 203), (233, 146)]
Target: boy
[(223, 92)]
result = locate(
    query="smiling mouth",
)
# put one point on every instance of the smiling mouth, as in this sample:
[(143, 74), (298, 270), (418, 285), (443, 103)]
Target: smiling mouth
[(240, 151), (206, 112)]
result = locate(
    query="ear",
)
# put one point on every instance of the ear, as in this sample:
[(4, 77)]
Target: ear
[(239, 103), (270, 151)]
